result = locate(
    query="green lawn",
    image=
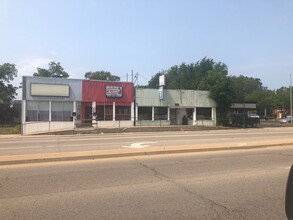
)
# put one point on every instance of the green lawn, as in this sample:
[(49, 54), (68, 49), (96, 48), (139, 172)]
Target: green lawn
[(10, 129)]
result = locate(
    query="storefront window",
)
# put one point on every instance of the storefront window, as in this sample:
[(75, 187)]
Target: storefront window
[(57, 111), (37, 111), (104, 113), (122, 113), (203, 113), (78, 110), (31, 111), (100, 113), (108, 113), (67, 111), (161, 113), (43, 111), (189, 112), (144, 113), (62, 111)]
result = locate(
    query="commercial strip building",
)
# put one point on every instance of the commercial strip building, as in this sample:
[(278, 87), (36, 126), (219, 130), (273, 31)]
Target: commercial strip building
[(195, 105), (54, 104)]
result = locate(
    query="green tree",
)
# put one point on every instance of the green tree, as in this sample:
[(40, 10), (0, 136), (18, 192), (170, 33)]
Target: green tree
[(101, 75), (266, 100), (243, 86), (55, 71), (205, 74), (7, 92), (283, 98), (219, 84)]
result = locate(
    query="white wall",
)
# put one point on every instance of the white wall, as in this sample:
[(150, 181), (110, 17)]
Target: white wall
[(43, 127), (114, 124)]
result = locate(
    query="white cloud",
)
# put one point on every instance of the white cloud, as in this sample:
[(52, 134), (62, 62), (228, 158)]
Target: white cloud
[(28, 67)]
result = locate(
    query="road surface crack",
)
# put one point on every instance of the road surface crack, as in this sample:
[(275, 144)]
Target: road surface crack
[(156, 173), (213, 204)]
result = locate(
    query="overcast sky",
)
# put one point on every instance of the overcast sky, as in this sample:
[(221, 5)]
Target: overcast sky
[(252, 37)]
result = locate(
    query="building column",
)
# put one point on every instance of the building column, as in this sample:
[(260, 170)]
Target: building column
[(94, 121), (50, 110), (194, 116), (23, 116), (132, 111), (153, 113), (74, 117), (114, 110), (74, 106), (136, 114), (23, 111), (168, 114), (214, 115)]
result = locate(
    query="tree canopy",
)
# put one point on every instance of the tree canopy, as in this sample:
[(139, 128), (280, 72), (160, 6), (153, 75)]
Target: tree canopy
[(101, 75), (205, 74), (243, 86), (7, 92), (55, 71)]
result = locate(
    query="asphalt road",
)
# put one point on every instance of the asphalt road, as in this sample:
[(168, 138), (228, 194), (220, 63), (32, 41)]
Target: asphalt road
[(72, 143), (248, 184)]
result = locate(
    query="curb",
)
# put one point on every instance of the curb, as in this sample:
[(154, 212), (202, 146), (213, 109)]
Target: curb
[(131, 154)]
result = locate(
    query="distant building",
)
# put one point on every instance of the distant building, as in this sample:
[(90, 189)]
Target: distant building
[(240, 108)]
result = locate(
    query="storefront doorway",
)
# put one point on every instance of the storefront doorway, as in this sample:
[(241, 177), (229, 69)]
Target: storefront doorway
[(177, 114)]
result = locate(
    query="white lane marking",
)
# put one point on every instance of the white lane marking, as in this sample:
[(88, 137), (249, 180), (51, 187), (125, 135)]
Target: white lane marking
[(242, 144), (21, 148), (140, 145)]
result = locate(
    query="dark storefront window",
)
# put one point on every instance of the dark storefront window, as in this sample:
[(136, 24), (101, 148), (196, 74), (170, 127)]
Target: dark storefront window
[(189, 112), (144, 113), (109, 113), (122, 113), (104, 112), (100, 113), (161, 113), (203, 113)]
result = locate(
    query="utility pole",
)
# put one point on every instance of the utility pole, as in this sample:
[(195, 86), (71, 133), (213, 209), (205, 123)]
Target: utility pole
[(137, 80), (291, 98)]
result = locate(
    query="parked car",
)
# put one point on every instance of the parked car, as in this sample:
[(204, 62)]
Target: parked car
[(283, 121), (240, 120), (289, 118)]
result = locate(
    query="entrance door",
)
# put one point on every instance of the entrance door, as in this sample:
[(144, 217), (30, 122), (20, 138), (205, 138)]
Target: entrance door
[(173, 116), (88, 114)]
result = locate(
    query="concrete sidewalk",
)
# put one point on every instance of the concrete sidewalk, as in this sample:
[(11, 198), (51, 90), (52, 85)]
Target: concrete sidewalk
[(120, 153)]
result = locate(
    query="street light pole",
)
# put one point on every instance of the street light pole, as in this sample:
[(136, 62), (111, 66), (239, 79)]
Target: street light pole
[(291, 98)]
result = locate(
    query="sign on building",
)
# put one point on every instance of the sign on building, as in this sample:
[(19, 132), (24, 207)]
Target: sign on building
[(161, 93), (162, 80), (113, 92), (49, 90)]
